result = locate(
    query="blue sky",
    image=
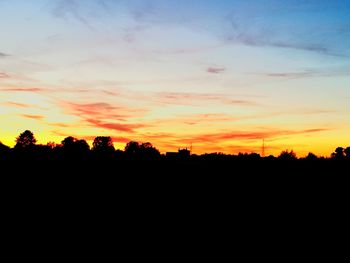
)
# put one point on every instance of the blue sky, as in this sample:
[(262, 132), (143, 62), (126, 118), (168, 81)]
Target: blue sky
[(178, 71)]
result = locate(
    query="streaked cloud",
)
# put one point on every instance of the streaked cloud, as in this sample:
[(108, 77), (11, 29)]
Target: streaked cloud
[(189, 98), (216, 70), (123, 127), (18, 105), (3, 55), (4, 75), (13, 89), (34, 117), (102, 110), (249, 135)]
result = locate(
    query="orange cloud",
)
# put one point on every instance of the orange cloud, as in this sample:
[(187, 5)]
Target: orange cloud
[(103, 110), (114, 126), (18, 105), (22, 89), (34, 117)]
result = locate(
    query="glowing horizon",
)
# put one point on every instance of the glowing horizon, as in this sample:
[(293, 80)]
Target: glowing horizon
[(221, 76)]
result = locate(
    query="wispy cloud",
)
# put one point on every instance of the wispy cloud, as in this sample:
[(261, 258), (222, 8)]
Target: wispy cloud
[(216, 70), (123, 127), (249, 135), (102, 110), (258, 27), (106, 116), (4, 75), (188, 98), (21, 89), (3, 55), (16, 104), (308, 73), (34, 117), (85, 12), (65, 9)]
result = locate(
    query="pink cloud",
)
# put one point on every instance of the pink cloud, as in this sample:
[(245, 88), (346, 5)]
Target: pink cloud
[(216, 70), (114, 126), (4, 75)]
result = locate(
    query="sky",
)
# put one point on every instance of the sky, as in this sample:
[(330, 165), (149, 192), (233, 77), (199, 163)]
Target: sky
[(221, 76)]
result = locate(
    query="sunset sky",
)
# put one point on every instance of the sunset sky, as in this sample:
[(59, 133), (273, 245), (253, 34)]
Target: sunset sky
[(222, 75)]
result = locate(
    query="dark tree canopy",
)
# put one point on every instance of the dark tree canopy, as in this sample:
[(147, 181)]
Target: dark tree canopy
[(73, 147), (144, 150), (287, 155), (103, 144), (311, 157), (25, 140), (147, 150), (132, 148), (347, 152), (338, 153)]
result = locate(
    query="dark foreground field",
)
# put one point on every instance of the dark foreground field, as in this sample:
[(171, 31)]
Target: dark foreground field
[(178, 198)]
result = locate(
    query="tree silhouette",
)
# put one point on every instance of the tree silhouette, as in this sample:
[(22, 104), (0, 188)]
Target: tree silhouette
[(132, 148), (4, 151), (147, 150), (144, 150), (287, 155), (311, 157), (338, 153), (103, 145), (75, 149), (347, 153), (25, 140)]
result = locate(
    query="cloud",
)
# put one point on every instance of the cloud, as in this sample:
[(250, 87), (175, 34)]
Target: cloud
[(34, 117), (102, 110), (188, 98), (216, 70), (308, 73), (196, 119), (65, 9), (18, 105), (249, 135), (22, 89), (208, 118), (106, 116), (114, 126), (84, 12), (258, 27), (3, 55), (4, 75)]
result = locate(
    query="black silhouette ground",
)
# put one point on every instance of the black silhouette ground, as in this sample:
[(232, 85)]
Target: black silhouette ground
[(73, 158)]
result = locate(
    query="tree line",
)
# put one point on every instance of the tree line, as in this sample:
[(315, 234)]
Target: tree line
[(103, 149)]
